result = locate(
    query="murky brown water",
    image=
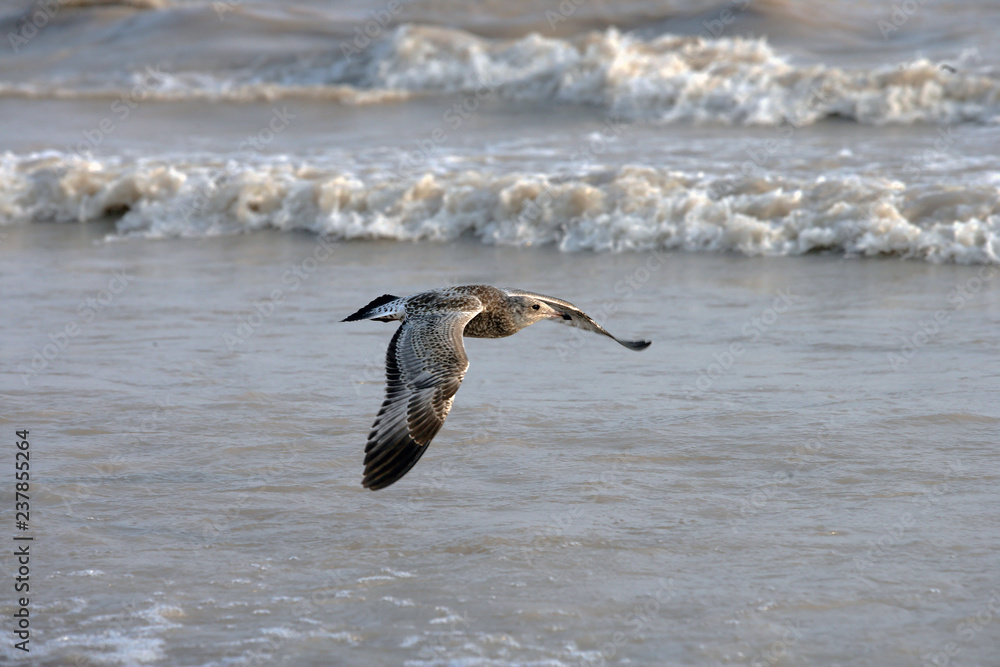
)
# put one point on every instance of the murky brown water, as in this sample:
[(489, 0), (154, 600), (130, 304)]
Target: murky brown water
[(798, 502)]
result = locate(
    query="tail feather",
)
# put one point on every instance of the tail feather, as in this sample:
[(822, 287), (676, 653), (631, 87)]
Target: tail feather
[(368, 311)]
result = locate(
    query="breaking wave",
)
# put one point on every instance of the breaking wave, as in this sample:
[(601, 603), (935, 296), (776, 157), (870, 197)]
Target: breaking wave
[(622, 209), (669, 78)]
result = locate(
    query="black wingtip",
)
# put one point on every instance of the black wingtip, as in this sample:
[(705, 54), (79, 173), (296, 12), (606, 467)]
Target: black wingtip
[(364, 313), (387, 466), (637, 344)]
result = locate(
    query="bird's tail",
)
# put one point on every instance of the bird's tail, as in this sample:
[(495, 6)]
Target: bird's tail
[(383, 309)]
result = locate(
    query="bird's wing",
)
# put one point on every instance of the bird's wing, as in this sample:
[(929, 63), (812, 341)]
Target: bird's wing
[(575, 317), (424, 367)]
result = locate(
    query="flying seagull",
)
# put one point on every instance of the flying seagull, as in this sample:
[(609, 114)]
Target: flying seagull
[(426, 361)]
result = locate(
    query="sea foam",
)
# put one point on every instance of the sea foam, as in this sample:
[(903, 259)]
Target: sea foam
[(734, 81), (628, 208)]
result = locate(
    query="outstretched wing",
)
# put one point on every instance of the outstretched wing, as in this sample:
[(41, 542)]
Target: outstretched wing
[(575, 317), (424, 367)]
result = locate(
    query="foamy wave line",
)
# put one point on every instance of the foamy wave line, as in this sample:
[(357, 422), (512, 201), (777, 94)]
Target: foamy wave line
[(228, 92), (668, 78), (625, 209)]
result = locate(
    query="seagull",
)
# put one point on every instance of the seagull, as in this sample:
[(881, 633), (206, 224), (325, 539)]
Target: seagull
[(426, 361)]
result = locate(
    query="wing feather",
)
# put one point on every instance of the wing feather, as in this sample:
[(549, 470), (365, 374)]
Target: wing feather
[(424, 367), (574, 317)]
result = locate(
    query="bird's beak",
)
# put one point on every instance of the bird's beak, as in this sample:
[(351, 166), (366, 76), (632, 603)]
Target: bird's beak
[(555, 314)]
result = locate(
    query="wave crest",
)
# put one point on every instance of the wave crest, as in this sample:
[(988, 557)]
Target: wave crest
[(669, 78), (624, 209)]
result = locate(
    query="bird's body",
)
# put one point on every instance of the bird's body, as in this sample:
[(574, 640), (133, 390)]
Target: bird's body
[(426, 361)]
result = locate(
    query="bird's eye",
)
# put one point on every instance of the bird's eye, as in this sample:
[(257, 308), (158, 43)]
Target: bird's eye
[(535, 307)]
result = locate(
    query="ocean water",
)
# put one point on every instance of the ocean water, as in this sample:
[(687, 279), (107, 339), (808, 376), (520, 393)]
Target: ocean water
[(798, 203)]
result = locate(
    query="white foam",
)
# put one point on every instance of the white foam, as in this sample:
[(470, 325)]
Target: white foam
[(736, 80), (132, 639), (625, 209), (404, 602)]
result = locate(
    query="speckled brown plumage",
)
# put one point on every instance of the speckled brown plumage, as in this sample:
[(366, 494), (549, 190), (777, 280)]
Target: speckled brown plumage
[(426, 361)]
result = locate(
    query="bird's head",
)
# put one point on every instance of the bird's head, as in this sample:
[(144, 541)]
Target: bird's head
[(527, 310)]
